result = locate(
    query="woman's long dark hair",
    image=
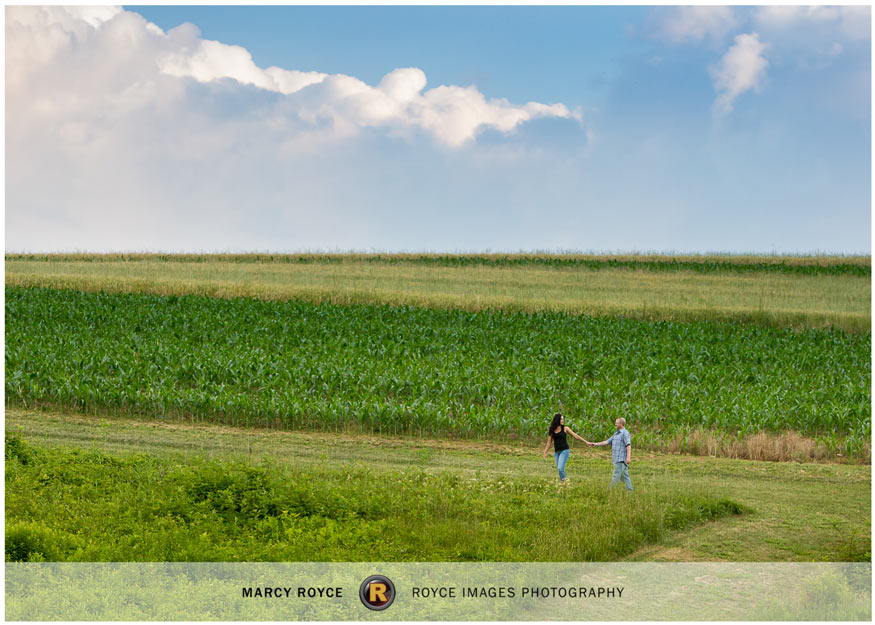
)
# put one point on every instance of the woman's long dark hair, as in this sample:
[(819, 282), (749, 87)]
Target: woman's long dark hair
[(555, 424)]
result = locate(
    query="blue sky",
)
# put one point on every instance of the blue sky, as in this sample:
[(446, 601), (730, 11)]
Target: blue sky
[(695, 129)]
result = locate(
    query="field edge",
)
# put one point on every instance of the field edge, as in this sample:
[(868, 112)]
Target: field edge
[(785, 446)]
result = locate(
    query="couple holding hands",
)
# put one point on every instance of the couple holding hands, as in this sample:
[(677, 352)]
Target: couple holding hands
[(620, 442)]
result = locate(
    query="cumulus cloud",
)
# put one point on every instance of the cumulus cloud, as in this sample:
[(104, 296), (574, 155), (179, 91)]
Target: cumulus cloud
[(118, 55), (206, 61), (121, 136), (693, 24), (742, 68)]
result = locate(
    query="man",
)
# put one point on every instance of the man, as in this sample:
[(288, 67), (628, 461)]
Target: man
[(621, 453)]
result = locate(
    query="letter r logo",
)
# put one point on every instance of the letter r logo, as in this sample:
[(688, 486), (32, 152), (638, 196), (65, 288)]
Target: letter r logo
[(377, 592)]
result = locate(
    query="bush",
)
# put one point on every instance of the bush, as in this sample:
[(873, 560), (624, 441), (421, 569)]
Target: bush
[(31, 542), (17, 449)]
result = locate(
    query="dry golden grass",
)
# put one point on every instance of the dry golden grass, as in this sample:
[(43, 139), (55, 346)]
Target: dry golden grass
[(786, 446)]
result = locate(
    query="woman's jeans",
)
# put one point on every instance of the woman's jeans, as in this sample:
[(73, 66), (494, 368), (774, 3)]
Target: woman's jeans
[(561, 459)]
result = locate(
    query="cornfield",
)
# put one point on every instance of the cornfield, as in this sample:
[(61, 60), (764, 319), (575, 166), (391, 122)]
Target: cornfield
[(416, 371)]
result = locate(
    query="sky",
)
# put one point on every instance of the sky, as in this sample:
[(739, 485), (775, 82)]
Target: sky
[(438, 128)]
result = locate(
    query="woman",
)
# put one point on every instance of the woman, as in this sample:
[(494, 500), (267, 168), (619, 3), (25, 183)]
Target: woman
[(557, 434)]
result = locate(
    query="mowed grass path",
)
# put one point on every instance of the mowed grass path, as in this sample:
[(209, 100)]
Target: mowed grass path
[(764, 297), (793, 511)]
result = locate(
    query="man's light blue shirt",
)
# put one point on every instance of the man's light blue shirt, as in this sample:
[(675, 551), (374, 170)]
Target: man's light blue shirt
[(619, 440)]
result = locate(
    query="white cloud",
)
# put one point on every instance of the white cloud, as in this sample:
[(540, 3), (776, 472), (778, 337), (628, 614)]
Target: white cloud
[(121, 136), (800, 37), (817, 39), (693, 24), (851, 21), (118, 55), (212, 60), (742, 68), (784, 15), (403, 85)]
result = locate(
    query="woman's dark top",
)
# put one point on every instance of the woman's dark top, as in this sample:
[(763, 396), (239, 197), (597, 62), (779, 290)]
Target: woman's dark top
[(560, 440)]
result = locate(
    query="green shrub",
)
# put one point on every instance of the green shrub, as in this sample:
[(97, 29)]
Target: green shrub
[(32, 542), (17, 449)]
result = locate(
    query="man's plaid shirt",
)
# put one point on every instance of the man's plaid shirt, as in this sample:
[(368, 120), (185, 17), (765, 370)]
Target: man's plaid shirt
[(619, 440)]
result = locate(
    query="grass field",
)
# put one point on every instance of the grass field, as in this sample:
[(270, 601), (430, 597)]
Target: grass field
[(300, 407), (117, 489), (819, 297)]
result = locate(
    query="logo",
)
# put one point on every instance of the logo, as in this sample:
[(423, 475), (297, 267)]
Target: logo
[(377, 592)]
